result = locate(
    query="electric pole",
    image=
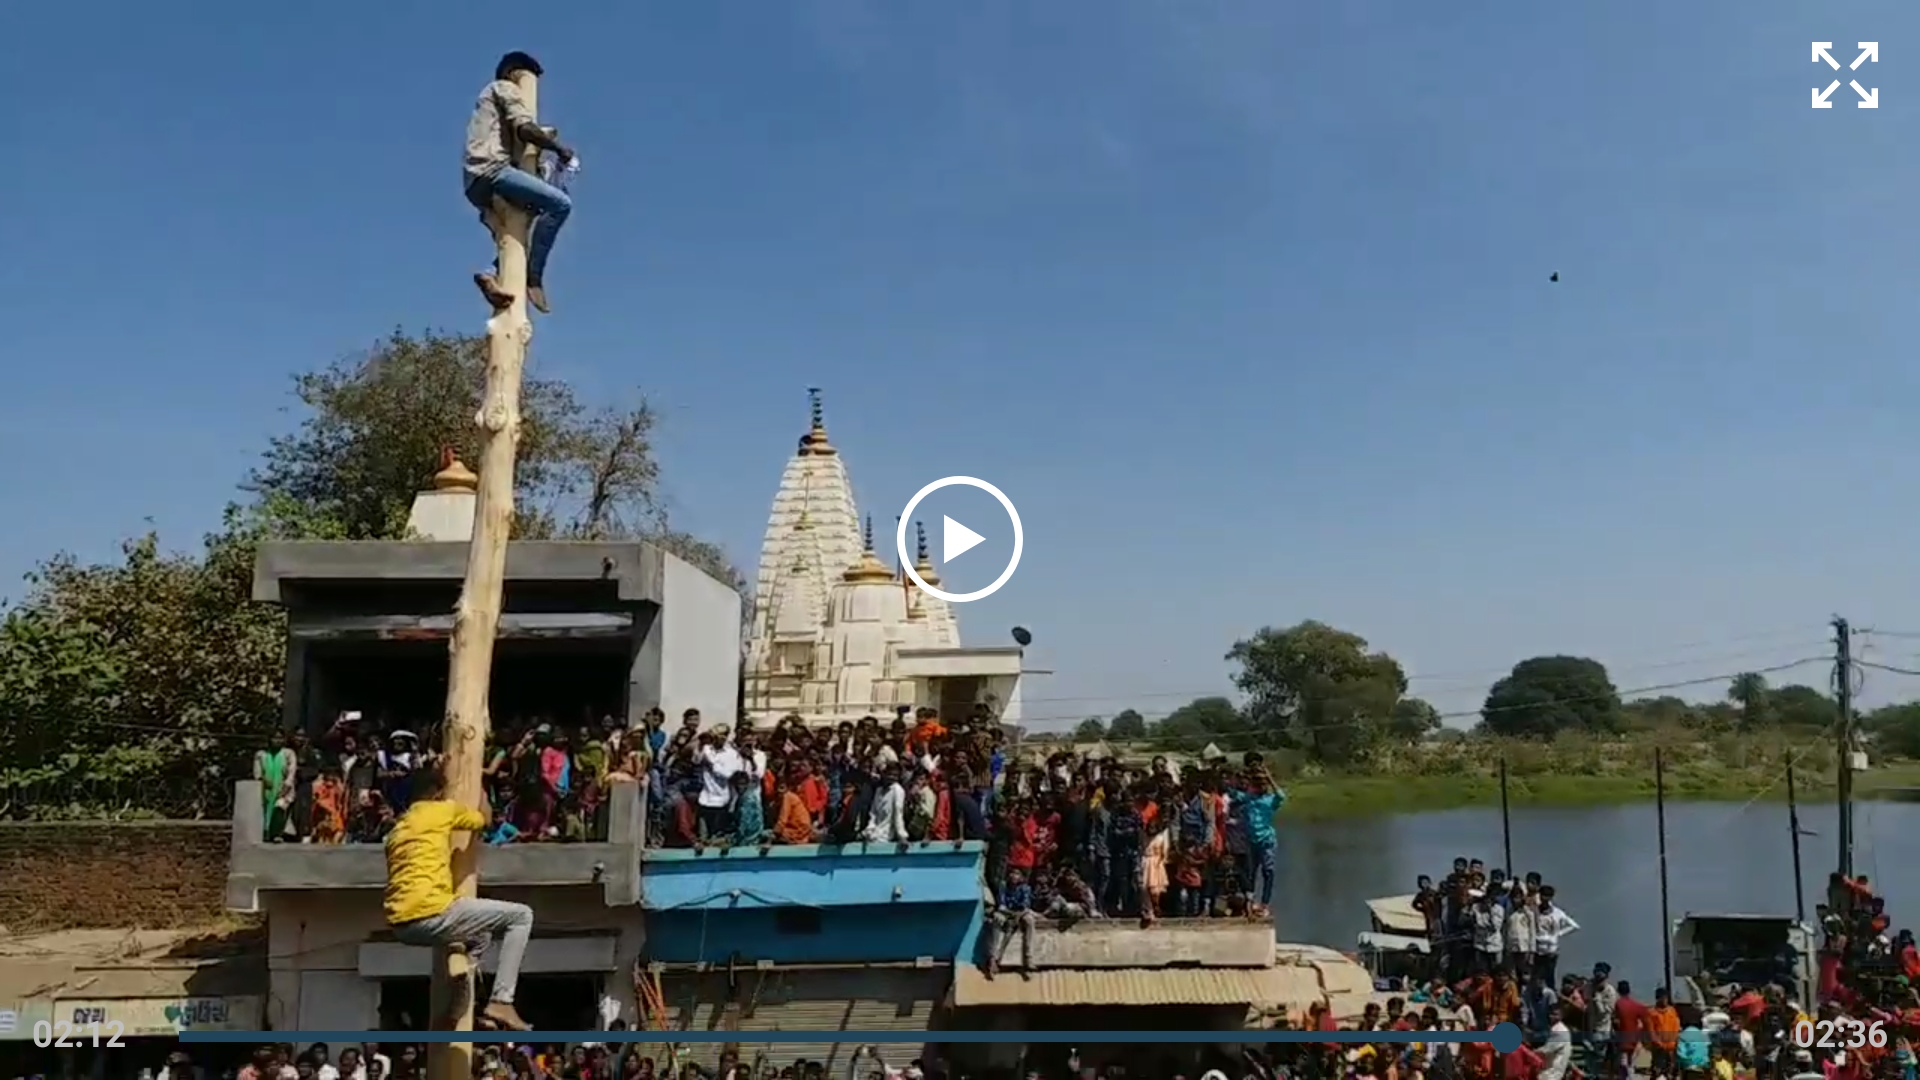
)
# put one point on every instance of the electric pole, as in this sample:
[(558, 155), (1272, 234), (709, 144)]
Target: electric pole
[(1843, 698), (476, 619)]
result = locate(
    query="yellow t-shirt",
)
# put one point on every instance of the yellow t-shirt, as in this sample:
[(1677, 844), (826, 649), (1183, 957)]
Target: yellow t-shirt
[(1723, 1069), (420, 858)]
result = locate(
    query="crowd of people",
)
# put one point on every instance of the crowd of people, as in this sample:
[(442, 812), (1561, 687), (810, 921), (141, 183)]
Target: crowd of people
[(1494, 946), (545, 781), (1067, 835)]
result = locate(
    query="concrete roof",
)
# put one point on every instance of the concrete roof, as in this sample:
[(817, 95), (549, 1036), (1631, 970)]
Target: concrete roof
[(634, 568), (1138, 986)]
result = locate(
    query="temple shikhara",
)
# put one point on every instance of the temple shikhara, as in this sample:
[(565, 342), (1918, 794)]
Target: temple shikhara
[(837, 632)]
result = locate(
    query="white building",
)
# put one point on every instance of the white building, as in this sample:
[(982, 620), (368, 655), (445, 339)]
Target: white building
[(836, 633)]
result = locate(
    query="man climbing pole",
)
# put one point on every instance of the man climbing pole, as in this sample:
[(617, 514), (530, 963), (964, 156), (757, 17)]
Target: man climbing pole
[(501, 121), (422, 909)]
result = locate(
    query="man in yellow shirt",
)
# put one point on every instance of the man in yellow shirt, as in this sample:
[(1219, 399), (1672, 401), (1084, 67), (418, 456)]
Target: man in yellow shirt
[(421, 906)]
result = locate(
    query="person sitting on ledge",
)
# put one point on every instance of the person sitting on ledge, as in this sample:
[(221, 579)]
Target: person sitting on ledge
[(422, 909)]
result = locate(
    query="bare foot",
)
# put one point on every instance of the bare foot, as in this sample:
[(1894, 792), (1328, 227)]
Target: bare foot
[(537, 296), (490, 288), (505, 1015)]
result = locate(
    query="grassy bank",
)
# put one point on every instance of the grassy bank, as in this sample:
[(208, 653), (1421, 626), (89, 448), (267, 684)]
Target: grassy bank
[(1327, 796)]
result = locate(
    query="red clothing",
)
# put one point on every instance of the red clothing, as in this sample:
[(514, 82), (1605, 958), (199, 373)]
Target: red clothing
[(942, 827), (813, 791), (1524, 1063), (1630, 1018), (1910, 963), (1747, 1008), (1025, 848)]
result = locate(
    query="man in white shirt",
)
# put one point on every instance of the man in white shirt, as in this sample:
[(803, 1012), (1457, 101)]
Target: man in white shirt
[(887, 820), (718, 762), (1558, 1050), (1550, 924)]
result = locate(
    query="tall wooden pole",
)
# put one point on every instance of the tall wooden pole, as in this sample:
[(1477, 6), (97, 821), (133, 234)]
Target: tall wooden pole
[(1793, 826), (1843, 700), (1666, 916), (477, 618), (1506, 822)]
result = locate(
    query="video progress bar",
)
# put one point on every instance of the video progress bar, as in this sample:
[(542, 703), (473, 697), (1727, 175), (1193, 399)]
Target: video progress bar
[(1505, 1038)]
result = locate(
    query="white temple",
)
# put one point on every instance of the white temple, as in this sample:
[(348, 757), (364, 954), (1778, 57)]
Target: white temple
[(837, 633)]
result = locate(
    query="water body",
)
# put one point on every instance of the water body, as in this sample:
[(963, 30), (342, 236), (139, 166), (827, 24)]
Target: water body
[(1604, 863)]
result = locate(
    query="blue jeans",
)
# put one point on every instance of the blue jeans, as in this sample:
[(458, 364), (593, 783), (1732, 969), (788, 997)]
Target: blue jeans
[(1260, 865), (549, 205)]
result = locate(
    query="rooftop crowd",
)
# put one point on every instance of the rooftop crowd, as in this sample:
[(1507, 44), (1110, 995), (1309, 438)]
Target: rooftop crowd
[(544, 781), (1067, 835)]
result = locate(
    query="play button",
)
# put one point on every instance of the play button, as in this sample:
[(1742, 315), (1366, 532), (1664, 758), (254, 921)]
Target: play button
[(956, 539)]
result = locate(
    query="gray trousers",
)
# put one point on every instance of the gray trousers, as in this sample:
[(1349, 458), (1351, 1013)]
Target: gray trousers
[(473, 922)]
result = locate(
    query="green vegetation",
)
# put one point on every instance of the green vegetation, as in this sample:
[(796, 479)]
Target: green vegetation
[(1333, 719), (141, 686), (1342, 796)]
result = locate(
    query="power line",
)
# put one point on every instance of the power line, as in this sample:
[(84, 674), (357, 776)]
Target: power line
[(1624, 694), (1443, 676)]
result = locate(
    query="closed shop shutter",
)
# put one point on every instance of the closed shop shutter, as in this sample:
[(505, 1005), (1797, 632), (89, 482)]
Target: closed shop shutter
[(797, 999)]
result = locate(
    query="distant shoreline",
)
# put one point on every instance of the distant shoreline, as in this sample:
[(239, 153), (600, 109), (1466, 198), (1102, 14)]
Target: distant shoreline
[(1323, 797)]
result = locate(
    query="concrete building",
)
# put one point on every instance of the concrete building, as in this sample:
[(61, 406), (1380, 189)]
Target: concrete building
[(809, 937), (615, 627), (836, 633), (588, 630)]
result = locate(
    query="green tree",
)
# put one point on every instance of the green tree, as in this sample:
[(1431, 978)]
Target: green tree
[(1547, 695), (143, 681), (144, 684), (1090, 730), (376, 424), (1319, 688), (1127, 724), (1412, 720), (1797, 706), (1200, 721), (1667, 711), (1894, 729), (1749, 691)]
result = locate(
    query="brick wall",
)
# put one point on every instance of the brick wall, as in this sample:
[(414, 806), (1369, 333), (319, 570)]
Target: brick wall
[(101, 875)]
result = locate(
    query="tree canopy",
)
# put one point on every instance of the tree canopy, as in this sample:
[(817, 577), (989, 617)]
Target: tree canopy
[(144, 683), (1546, 695)]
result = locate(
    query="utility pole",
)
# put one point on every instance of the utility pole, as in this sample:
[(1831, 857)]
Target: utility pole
[(1843, 698), (477, 618)]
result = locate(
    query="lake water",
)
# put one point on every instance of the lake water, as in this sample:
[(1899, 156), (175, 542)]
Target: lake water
[(1604, 862)]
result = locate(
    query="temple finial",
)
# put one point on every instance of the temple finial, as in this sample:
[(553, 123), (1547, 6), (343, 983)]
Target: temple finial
[(815, 440), (920, 535), (866, 533)]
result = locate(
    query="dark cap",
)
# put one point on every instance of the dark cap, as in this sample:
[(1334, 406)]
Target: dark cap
[(517, 61)]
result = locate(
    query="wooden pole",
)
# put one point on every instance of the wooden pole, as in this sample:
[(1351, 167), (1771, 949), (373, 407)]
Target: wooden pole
[(1506, 823), (1793, 827), (477, 617), (1666, 916)]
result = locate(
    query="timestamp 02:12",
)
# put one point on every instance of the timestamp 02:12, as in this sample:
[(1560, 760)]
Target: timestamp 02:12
[(1839, 1034), (66, 1035)]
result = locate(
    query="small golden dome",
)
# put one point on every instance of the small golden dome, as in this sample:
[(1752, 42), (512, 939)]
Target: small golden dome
[(453, 476)]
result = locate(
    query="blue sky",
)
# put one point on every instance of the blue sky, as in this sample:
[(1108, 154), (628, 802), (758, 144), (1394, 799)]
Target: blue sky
[(1244, 304)]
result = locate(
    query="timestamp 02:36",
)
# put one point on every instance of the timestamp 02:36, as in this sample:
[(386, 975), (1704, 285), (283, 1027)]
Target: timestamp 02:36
[(66, 1034), (1839, 1033)]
